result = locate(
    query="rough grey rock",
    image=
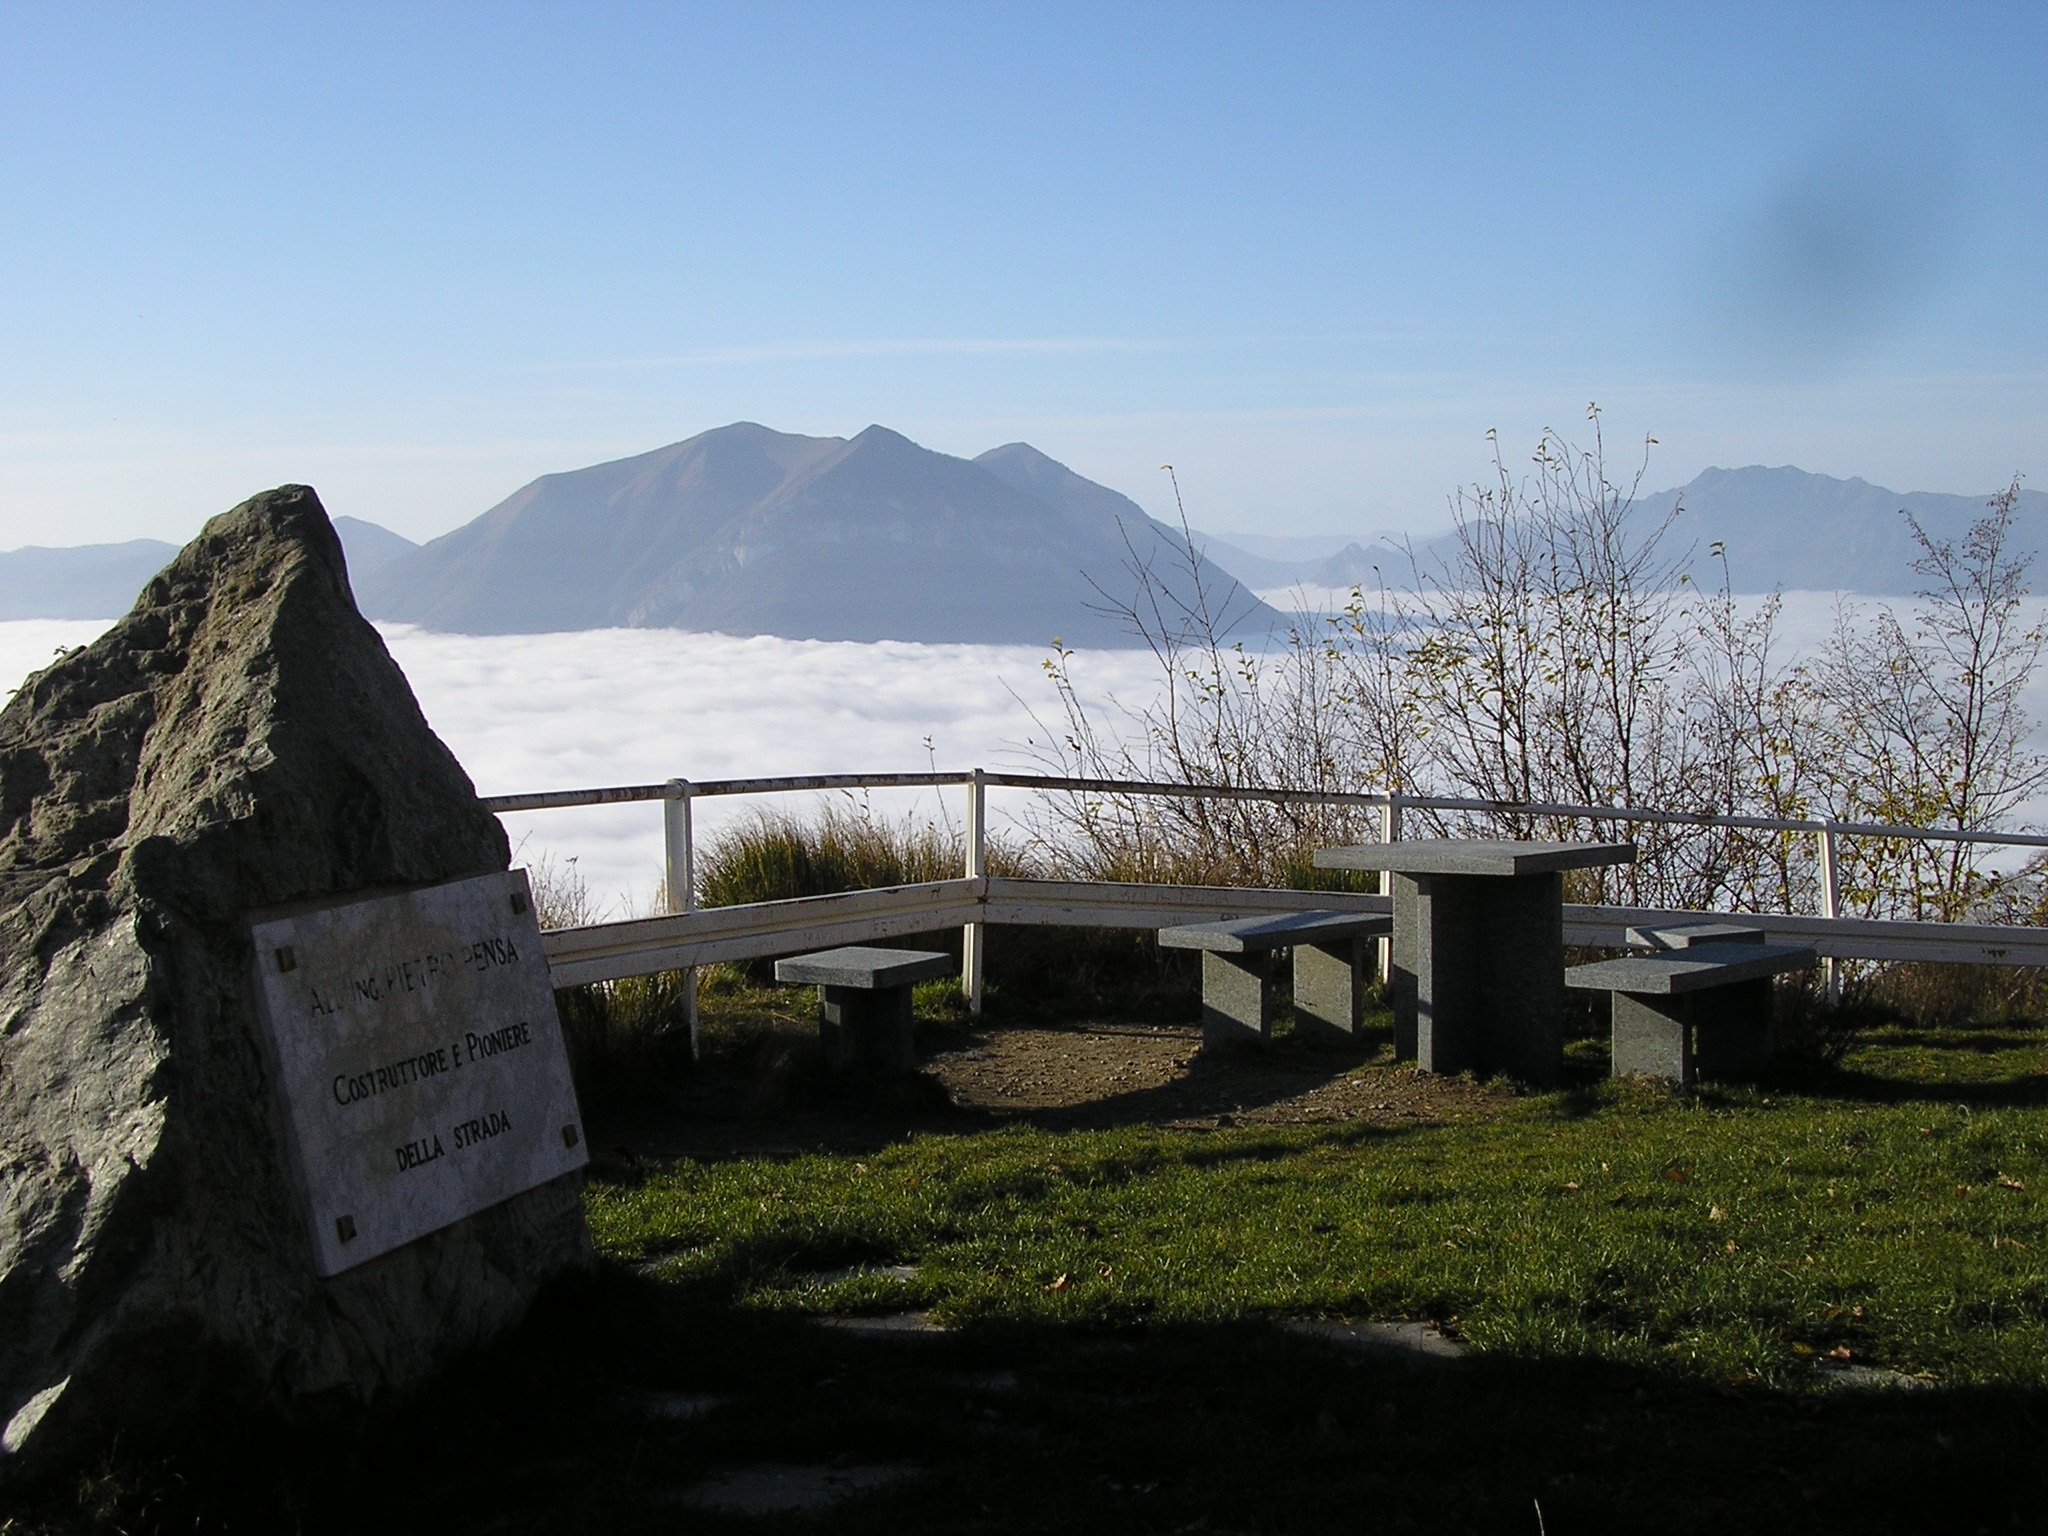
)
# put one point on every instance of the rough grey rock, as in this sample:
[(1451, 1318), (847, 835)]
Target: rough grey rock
[(241, 739)]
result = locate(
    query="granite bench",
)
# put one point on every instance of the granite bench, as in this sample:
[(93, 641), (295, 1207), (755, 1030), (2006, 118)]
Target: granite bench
[(864, 1001), (1700, 1006), (1237, 987)]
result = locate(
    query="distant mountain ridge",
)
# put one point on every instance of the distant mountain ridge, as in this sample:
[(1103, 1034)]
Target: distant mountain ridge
[(85, 581), (102, 581), (1780, 527), (754, 531), (1784, 527), (749, 531)]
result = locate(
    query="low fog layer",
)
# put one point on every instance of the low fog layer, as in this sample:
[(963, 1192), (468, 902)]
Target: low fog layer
[(579, 710)]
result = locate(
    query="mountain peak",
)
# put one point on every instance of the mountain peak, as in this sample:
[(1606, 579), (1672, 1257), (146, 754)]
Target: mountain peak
[(749, 531)]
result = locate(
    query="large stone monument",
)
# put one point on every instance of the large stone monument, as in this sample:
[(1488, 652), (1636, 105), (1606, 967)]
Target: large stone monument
[(197, 812)]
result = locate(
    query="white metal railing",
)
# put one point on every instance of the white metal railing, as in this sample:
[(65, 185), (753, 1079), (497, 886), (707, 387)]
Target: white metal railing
[(686, 936), (679, 941)]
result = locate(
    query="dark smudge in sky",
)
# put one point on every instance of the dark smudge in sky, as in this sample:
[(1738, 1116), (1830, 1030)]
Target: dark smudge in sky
[(1841, 254)]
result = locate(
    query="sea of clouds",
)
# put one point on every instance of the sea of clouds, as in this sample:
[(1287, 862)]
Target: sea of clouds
[(637, 706)]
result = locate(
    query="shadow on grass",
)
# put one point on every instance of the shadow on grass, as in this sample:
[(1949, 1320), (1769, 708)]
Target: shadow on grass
[(1218, 1428), (1875, 1088), (776, 1097)]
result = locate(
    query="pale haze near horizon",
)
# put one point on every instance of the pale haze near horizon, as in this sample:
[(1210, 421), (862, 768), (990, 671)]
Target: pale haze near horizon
[(640, 706), (1307, 254)]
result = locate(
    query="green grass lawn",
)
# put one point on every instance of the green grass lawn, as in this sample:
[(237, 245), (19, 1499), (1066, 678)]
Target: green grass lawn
[(1646, 1280), (1725, 1236)]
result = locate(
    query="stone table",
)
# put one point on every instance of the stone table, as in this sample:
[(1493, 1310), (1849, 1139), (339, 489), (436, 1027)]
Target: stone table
[(1478, 955)]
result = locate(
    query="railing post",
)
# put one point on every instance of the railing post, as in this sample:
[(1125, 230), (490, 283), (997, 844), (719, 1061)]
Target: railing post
[(679, 877), (1830, 903), (973, 935), (1390, 832)]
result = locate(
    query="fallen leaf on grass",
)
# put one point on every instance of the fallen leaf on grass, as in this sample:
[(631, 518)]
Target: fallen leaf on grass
[(2006, 1181), (1059, 1284), (1572, 1184)]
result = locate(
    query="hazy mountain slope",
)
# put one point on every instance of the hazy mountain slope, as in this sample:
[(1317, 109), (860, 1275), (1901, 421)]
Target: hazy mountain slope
[(1786, 528), (1088, 505), (369, 545), (750, 531), (1259, 572), (1783, 527), (1355, 564), (1360, 565), (574, 550), (102, 581), (87, 581), (1107, 513)]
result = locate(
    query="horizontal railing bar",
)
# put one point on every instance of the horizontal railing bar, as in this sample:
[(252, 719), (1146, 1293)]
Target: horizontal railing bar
[(675, 941), (1502, 807), (641, 946), (561, 799), (564, 798), (1844, 938)]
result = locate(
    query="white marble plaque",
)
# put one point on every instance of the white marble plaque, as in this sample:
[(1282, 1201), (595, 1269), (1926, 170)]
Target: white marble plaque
[(418, 1060)]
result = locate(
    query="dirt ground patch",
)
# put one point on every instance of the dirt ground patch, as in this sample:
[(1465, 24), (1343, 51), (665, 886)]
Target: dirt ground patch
[(1124, 1074), (1089, 1076)]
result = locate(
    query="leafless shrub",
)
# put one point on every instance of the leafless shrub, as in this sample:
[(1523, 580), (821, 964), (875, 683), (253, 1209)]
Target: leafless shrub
[(1562, 654)]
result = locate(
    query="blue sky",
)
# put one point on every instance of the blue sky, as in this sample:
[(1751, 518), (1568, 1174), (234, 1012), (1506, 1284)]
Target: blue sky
[(416, 255)]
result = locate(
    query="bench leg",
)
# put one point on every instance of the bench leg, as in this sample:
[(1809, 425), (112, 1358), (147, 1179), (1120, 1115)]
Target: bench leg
[(1237, 1000), (1732, 1031), (867, 1031), (1652, 1036), (1329, 982)]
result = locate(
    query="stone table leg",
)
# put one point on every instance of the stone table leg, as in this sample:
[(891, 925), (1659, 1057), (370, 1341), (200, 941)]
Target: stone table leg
[(1329, 982), (1520, 944), (1652, 1036), (1237, 1002), (1478, 974), (1434, 982), (867, 1031)]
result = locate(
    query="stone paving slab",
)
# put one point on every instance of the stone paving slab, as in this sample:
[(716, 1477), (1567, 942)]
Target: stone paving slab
[(678, 1407), (902, 1273), (1844, 1374), (1417, 1341), (887, 1325), (783, 1489)]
